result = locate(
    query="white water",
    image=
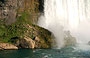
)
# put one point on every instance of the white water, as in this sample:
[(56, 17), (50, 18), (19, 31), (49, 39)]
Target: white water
[(72, 15)]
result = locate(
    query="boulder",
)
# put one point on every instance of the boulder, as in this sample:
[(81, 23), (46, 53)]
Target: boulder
[(25, 43), (69, 39), (37, 42), (7, 46)]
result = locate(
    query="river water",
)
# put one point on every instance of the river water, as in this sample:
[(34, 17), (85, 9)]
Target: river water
[(67, 52)]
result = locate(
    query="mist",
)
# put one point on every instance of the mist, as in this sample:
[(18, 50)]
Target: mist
[(67, 15)]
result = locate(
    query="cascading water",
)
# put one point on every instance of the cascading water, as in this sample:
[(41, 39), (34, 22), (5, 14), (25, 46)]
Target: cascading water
[(72, 15)]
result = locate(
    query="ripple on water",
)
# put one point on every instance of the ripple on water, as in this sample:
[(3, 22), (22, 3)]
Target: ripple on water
[(68, 52)]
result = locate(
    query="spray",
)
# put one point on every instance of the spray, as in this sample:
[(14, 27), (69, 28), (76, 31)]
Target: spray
[(62, 15)]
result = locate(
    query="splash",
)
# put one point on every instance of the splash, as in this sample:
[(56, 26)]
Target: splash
[(63, 15)]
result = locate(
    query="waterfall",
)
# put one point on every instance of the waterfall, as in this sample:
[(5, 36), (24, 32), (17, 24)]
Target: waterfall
[(63, 15)]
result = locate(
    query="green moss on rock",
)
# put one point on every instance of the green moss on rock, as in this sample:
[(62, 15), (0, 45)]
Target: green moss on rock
[(26, 16), (22, 28)]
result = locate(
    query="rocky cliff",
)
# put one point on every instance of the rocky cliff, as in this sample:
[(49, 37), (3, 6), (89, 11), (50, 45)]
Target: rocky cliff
[(18, 27), (11, 9)]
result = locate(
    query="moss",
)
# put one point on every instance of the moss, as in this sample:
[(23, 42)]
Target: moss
[(44, 35), (24, 26)]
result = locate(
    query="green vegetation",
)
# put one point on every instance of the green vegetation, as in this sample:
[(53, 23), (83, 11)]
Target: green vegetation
[(24, 27), (16, 29)]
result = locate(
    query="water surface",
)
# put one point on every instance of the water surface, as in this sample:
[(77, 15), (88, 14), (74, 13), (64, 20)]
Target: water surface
[(68, 52)]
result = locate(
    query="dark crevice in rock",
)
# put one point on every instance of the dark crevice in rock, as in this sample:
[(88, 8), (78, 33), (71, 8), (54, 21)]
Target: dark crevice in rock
[(41, 5), (2, 1)]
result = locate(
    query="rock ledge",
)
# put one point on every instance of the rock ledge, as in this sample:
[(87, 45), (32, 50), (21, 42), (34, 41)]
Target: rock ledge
[(7, 46)]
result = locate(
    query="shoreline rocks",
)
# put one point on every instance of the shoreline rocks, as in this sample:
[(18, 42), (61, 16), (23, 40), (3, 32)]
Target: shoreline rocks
[(7, 46), (25, 43)]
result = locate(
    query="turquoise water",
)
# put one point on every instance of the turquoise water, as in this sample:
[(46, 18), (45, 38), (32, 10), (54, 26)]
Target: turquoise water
[(68, 52)]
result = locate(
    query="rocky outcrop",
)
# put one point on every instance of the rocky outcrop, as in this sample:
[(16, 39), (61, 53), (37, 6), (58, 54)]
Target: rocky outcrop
[(11, 9), (7, 46), (30, 36), (18, 20), (29, 43), (69, 39), (37, 42), (25, 43)]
